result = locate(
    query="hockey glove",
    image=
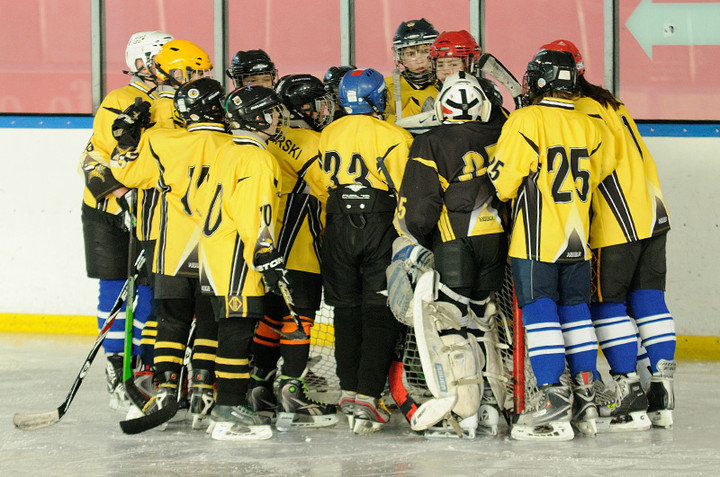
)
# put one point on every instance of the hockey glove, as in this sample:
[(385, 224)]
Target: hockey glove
[(416, 258), (272, 266), (129, 124), (127, 204)]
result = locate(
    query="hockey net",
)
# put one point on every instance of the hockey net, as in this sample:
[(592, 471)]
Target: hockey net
[(521, 387)]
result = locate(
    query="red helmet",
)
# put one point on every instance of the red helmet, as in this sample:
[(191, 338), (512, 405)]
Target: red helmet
[(458, 44), (567, 45)]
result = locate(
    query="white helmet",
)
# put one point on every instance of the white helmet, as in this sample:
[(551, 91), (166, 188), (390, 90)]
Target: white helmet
[(144, 45), (462, 99)]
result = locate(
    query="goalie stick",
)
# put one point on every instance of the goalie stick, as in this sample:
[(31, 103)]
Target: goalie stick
[(163, 415), (44, 419)]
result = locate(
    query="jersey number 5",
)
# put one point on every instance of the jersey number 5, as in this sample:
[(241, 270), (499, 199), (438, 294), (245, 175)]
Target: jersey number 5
[(558, 161)]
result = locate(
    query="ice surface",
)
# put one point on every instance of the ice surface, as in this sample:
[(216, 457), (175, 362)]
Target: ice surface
[(36, 372)]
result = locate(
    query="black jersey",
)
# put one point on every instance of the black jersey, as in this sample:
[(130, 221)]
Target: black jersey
[(445, 192)]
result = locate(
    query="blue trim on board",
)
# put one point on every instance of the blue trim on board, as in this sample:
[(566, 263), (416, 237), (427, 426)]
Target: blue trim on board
[(678, 129), (36, 121)]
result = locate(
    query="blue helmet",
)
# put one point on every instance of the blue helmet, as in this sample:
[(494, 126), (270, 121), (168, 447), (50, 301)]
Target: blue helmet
[(362, 91)]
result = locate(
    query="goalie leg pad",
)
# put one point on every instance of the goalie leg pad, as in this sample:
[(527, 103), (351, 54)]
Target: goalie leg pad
[(464, 359)]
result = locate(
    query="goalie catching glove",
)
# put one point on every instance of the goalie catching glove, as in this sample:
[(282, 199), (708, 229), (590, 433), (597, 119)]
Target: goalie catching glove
[(129, 125), (408, 262), (272, 266)]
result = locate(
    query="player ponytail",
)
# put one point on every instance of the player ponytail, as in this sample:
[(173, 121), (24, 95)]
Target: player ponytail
[(598, 93)]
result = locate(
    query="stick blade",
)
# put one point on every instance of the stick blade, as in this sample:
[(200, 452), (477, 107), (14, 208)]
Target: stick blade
[(149, 421), (28, 422)]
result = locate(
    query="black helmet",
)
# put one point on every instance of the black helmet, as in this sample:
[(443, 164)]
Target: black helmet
[(200, 100), (249, 63), (550, 70), (252, 108), (332, 77), (413, 33), (300, 91)]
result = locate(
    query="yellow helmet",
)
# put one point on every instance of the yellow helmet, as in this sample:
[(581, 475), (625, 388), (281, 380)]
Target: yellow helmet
[(179, 61)]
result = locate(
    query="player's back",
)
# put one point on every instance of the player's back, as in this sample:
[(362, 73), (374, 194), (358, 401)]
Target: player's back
[(630, 204), (549, 159)]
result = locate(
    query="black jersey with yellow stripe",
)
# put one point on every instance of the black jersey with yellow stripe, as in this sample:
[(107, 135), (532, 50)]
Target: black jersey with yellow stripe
[(445, 192), (630, 204), (239, 206), (549, 160)]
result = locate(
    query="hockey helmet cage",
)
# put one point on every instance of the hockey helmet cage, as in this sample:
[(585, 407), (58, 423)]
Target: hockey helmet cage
[(362, 91), (253, 108), (332, 77), (457, 44), (549, 70), (567, 45), (143, 46), (200, 100), (250, 63), (184, 57), (462, 99), (305, 97)]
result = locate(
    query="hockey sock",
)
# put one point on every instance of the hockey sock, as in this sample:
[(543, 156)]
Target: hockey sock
[(108, 293), (149, 334), (143, 307), (546, 347), (266, 343), (175, 316), (348, 336), (295, 352), (206, 331), (232, 369), (380, 331), (655, 323), (616, 334), (579, 336)]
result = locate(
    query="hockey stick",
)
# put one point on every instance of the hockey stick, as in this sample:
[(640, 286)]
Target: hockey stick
[(299, 333), (44, 419), (163, 415)]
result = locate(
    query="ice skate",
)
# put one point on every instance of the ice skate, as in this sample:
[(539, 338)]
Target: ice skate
[(454, 427), (585, 412), (237, 423), (346, 403), (550, 421), (119, 399), (144, 381), (488, 413), (627, 410), (661, 398), (202, 398), (297, 409), (370, 415), (261, 397)]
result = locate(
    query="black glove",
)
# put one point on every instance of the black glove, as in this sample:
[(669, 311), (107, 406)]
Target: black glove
[(272, 266), (129, 124)]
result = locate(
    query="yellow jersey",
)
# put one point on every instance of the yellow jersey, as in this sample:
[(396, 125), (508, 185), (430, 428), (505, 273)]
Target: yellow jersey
[(412, 97)]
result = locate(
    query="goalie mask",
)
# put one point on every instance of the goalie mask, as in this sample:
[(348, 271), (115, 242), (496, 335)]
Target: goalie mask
[(200, 100), (549, 71), (141, 50), (258, 109), (180, 61), (462, 99), (306, 99)]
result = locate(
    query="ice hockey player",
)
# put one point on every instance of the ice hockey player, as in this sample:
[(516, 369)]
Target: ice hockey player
[(549, 160), (108, 206), (175, 162), (252, 68), (331, 81), (238, 252), (454, 51), (628, 233), (447, 204), (413, 81), (363, 159), (299, 230)]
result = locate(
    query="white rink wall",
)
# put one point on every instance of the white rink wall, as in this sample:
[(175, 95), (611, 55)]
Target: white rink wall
[(43, 271)]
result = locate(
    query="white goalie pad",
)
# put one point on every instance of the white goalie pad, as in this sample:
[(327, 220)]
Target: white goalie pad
[(449, 362), (494, 370), (431, 412)]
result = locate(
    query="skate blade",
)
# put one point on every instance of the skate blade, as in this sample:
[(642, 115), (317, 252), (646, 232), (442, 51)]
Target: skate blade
[(288, 420), (199, 421), (450, 433), (350, 421), (365, 426), (227, 431), (662, 418), (635, 421), (554, 431)]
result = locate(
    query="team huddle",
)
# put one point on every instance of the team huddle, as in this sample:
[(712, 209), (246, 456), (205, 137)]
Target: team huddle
[(399, 201)]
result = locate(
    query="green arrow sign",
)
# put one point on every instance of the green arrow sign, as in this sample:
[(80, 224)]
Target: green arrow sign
[(675, 24)]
